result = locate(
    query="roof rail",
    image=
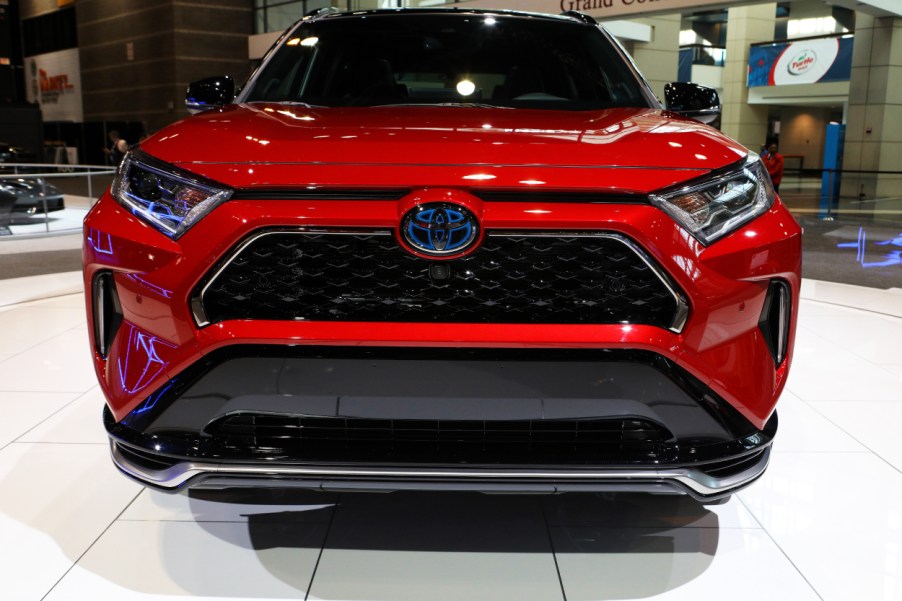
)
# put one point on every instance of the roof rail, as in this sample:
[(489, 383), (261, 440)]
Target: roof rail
[(322, 12), (574, 14)]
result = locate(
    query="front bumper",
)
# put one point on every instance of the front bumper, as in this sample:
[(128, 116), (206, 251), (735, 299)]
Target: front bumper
[(516, 420), (695, 482), (161, 349)]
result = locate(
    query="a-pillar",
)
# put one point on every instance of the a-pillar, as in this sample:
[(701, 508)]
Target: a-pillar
[(874, 120), (745, 26)]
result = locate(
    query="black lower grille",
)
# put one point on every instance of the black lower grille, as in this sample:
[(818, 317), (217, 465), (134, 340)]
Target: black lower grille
[(338, 439), (550, 278)]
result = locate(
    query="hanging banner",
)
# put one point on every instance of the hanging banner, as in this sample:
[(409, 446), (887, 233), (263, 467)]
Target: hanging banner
[(53, 80), (805, 61)]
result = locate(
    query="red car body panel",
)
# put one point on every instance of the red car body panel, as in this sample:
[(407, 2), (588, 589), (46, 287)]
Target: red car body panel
[(626, 150), (491, 262)]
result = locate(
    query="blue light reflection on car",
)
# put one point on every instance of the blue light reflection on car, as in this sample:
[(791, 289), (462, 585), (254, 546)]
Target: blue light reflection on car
[(159, 290), (141, 347), (101, 242)]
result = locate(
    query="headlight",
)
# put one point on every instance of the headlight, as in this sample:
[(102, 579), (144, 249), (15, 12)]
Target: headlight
[(169, 200), (715, 207)]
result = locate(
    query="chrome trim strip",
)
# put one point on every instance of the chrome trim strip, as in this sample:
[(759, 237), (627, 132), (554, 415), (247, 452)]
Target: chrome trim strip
[(499, 165), (782, 338), (697, 481)]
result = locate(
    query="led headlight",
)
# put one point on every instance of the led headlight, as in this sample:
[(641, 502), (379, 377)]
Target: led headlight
[(715, 207), (170, 200)]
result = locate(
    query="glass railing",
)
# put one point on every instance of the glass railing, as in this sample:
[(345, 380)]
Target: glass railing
[(40, 199)]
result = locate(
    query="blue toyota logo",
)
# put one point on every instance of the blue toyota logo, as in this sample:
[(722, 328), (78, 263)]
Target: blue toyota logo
[(439, 228)]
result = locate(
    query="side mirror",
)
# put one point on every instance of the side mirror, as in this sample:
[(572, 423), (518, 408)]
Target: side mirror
[(694, 101), (209, 93)]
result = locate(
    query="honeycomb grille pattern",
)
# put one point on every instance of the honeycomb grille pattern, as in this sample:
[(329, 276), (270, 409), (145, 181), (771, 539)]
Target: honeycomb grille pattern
[(513, 279)]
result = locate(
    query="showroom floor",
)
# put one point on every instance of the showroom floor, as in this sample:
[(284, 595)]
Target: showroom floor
[(825, 522)]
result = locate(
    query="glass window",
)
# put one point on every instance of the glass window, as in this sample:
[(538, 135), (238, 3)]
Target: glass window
[(452, 58)]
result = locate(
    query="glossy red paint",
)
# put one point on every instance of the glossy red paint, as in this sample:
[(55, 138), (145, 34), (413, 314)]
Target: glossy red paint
[(435, 152), (464, 138)]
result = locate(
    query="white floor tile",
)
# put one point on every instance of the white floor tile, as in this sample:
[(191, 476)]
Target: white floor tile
[(824, 371), (801, 428), (22, 411), (73, 301), (237, 505), (809, 307), (888, 302), (674, 563), (838, 517), (55, 500), (871, 337), (80, 422), (166, 560), (875, 424), (35, 287), (26, 327), (61, 364), (437, 546)]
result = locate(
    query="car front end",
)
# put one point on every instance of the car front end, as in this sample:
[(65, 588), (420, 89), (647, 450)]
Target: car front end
[(496, 295)]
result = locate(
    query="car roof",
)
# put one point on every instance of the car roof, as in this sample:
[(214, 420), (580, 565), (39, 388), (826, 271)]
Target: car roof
[(568, 16)]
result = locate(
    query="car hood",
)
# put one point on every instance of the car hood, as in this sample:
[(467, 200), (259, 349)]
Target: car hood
[(410, 137)]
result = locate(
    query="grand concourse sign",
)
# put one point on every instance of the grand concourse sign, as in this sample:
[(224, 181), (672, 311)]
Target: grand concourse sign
[(604, 9)]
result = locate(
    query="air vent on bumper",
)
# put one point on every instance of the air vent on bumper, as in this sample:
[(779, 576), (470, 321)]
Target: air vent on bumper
[(774, 321)]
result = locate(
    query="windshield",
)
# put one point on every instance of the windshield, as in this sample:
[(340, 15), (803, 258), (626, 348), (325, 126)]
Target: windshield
[(469, 59)]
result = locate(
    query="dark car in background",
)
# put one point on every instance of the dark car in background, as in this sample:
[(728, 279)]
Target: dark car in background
[(22, 197)]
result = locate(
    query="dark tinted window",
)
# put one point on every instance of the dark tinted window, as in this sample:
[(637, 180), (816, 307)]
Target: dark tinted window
[(429, 59)]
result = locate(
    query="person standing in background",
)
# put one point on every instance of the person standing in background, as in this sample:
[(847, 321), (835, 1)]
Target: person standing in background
[(773, 162), (118, 148)]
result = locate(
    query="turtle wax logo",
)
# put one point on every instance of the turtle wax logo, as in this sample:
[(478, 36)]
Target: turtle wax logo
[(802, 62)]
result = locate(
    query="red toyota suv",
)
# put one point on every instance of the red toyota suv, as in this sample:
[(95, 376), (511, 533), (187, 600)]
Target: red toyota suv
[(449, 249)]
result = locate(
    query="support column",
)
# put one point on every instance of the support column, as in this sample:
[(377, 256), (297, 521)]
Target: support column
[(745, 26), (873, 132), (658, 60)]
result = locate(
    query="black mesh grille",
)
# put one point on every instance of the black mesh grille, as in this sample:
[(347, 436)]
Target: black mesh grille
[(587, 441), (555, 278)]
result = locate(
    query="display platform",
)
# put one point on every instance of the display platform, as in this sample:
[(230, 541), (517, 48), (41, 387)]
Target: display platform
[(824, 522)]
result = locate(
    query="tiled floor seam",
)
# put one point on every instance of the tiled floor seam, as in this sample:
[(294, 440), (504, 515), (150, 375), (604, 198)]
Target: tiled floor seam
[(322, 548), (37, 344), (849, 434), (91, 546), (777, 544), (557, 567), (16, 439)]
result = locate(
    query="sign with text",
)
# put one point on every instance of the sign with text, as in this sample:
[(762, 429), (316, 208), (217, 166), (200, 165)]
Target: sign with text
[(602, 9), (53, 80), (804, 61)]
